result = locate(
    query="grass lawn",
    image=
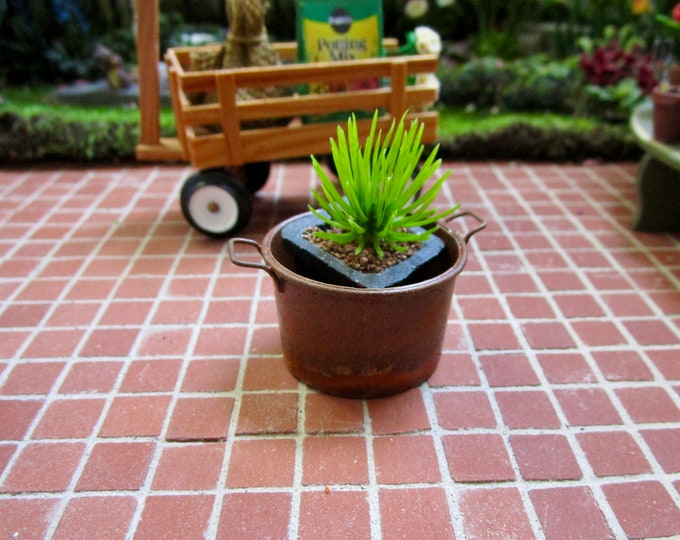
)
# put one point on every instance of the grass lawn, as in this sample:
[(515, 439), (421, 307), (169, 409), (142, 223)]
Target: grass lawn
[(111, 132), (452, 122)]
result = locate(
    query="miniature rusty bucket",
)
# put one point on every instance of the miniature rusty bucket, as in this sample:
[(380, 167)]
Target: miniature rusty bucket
[(357, 342)]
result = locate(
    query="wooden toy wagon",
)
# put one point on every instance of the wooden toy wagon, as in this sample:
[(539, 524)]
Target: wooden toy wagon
[(225, 139)]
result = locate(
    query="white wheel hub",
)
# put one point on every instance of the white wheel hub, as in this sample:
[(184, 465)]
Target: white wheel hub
[(214, 209)]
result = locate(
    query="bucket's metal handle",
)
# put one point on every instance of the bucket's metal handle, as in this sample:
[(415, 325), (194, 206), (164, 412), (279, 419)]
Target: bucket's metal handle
[(231, 248), (470, 234)]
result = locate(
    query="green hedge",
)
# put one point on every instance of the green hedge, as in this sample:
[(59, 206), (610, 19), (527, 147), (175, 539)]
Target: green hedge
[(51, 138), (526, 142), (43, 138)]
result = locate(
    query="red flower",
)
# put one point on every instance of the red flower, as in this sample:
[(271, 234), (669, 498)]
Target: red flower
[(676, 12)]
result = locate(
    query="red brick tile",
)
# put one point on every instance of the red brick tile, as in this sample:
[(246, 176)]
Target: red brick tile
[(23, 315), (34, 378), (622, 365), (69, 419), (338, 514), (559, 280), (666, 361), (547, 335), (530, 307), (255, 515), (455, 338), (189, 467), (221, 341), (6, 453), (494, 514), (477, 458), (151, 376), (35, 470), (565, 368), (267, 413), (110, 342), (157, 266), (268, 374), (266, 312), (409, 459), (527, 409), (16, 417), (578, 305), (402, 413), (644, 509), (545, 457), (493, 336), (200, 419), (587, 407), (178, 312), (135, 416), (109, 267), (266, 340), (415, 513), (17, 268), (481, 308), (84, 518), (604, 280), (140, 287), (187, 516), (74, 314), (54, 343), (508, 370), (91, 377), (613, 453), (116, 466), (187, 287), (229, 286), (42, 289), (569, 512), (334, 460), (627, 305), (26, 518), (648, 404), (514, 283), (455, 369), (126, 313), (91, 289), (464, 410), (651, 332), (228, 311), (331, 414), (598, 333), (469, 283), (210, 375), (160, 341), (664, 444), (262, 463)]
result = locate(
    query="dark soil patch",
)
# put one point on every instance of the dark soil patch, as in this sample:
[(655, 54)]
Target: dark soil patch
[(367, 261)]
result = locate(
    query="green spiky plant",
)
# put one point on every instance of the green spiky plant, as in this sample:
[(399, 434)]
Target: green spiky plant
[(379, 201)]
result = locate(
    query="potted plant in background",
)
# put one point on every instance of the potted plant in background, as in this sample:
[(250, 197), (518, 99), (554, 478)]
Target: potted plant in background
[(366, 340), (666, 95)]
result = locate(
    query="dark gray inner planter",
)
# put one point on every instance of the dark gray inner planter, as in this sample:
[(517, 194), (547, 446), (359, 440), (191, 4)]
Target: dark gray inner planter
[(318, 264)]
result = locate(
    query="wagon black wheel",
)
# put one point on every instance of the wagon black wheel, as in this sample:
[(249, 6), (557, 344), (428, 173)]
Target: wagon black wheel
[(256, 175), (215, 203)]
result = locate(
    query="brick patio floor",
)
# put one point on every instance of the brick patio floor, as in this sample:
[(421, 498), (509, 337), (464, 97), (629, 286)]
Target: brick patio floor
[(143, 393)]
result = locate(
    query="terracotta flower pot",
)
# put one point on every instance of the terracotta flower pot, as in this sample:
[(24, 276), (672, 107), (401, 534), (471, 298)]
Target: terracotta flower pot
[(666, 115), (358, 342)]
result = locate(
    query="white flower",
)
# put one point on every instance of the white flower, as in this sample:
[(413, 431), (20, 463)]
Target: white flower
[(445, 3), (415, 9), (430, 80), (427, 40)]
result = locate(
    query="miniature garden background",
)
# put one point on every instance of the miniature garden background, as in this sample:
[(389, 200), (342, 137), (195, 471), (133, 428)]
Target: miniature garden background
[(520, 79)]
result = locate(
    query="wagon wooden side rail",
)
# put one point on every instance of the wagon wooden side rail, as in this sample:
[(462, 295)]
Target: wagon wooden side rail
[(235, 144)]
